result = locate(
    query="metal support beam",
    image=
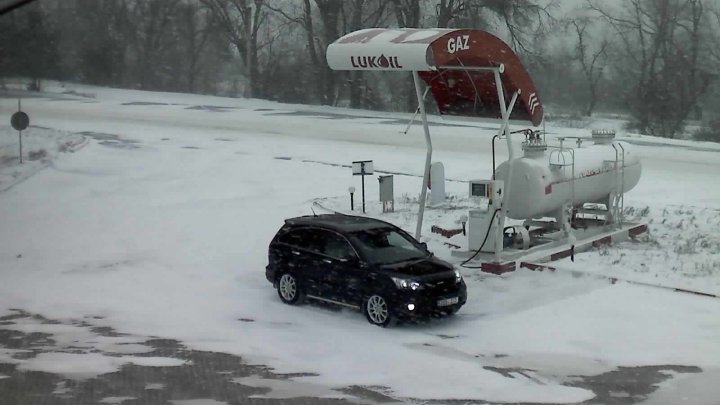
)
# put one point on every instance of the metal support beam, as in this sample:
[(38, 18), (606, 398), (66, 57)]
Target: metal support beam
[(428, 156), (505, 113), (417, 110), (622, 185), (505, 126), (494, 69)]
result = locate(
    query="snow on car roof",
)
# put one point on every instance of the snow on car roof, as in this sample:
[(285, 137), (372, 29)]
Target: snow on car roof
[(340, 222)]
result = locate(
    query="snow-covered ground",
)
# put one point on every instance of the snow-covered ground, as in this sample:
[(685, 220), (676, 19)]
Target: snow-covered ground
[(157, 224), (40, 146)]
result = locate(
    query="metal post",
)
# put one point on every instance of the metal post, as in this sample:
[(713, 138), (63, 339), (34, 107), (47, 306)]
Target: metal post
[(502, 130), (363, 188), (615, 208), (503, 109), (493, 153), (248, 54), (622, 185), (572, 185), (20, 133), (412, 120), (428, 156), (506, 127), (506, 124)]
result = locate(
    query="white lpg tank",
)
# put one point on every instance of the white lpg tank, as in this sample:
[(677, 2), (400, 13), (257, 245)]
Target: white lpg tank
[(542, 180)]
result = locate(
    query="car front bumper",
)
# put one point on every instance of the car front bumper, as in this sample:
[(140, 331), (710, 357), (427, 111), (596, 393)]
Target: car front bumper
[(412, 304)]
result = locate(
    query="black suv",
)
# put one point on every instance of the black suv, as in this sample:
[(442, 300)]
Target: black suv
[(362, 263)]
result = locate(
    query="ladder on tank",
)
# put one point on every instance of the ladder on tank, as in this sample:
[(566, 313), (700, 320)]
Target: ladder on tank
[(562, 164), (618, 199)]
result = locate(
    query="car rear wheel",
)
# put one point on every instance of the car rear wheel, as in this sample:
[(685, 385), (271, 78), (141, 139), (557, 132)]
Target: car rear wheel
[(377, 311), (288, 289)]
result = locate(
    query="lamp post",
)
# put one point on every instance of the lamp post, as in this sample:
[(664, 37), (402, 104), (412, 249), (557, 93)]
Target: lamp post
[(362, 168), (351, 189), (463, 221), (20, 122)]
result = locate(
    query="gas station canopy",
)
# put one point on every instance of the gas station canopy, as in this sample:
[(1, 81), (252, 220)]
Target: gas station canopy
[(458, 65)]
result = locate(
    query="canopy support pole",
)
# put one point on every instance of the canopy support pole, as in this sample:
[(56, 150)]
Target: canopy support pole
[(505, 111), (417, 110), (428, 156)]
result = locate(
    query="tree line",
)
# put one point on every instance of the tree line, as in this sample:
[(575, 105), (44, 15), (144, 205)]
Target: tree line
[(656, 60)]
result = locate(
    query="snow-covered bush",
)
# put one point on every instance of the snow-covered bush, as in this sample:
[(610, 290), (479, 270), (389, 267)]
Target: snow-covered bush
[(709, 132)]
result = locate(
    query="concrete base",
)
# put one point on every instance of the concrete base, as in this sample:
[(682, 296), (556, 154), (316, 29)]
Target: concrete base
[(556, 247)]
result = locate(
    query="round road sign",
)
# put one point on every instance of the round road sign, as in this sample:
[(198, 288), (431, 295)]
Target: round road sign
[(20, 121)]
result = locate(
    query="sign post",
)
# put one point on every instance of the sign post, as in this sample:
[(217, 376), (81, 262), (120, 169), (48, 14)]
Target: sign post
[(362, 168), (20, 122)]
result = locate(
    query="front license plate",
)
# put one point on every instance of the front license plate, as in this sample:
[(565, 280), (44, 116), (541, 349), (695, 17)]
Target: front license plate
[(447, 301)]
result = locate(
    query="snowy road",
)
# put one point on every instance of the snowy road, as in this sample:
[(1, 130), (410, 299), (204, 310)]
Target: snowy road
[(158, 228)]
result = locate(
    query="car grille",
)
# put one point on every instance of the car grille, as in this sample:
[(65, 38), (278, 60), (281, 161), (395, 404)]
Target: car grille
[(441, 286)]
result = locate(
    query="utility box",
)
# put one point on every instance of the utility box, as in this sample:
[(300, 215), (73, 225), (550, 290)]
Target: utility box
[(387, 195), (484, 222), (482, 230)]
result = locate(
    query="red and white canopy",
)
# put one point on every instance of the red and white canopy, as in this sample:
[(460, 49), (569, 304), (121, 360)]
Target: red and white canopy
[(453, 63)]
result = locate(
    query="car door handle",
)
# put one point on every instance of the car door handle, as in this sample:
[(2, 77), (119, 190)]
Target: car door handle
[(295, 252), (328, 261)]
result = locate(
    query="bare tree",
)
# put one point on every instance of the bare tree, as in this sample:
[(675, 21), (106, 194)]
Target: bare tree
[(446, 10), (324, 21), (329, 11), (715, 47), (522, 19), (303, 17), (407, 14), (151, 22), (661, 42), (356, 82), (241, 21), (194, 33), (363, 14), (592, 59)]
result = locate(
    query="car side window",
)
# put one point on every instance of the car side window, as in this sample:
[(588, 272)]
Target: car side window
[(310, 239), (296, 237), (319, 241), (337, 247)]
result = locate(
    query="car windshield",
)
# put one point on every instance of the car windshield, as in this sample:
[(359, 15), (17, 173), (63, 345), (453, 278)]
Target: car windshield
[(387, 245)]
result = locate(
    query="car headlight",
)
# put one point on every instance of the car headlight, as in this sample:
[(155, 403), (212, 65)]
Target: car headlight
[(406, 284), (458, 277)]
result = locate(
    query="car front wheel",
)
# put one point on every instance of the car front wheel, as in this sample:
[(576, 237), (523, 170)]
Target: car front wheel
[(288, 289), (377, 311)]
